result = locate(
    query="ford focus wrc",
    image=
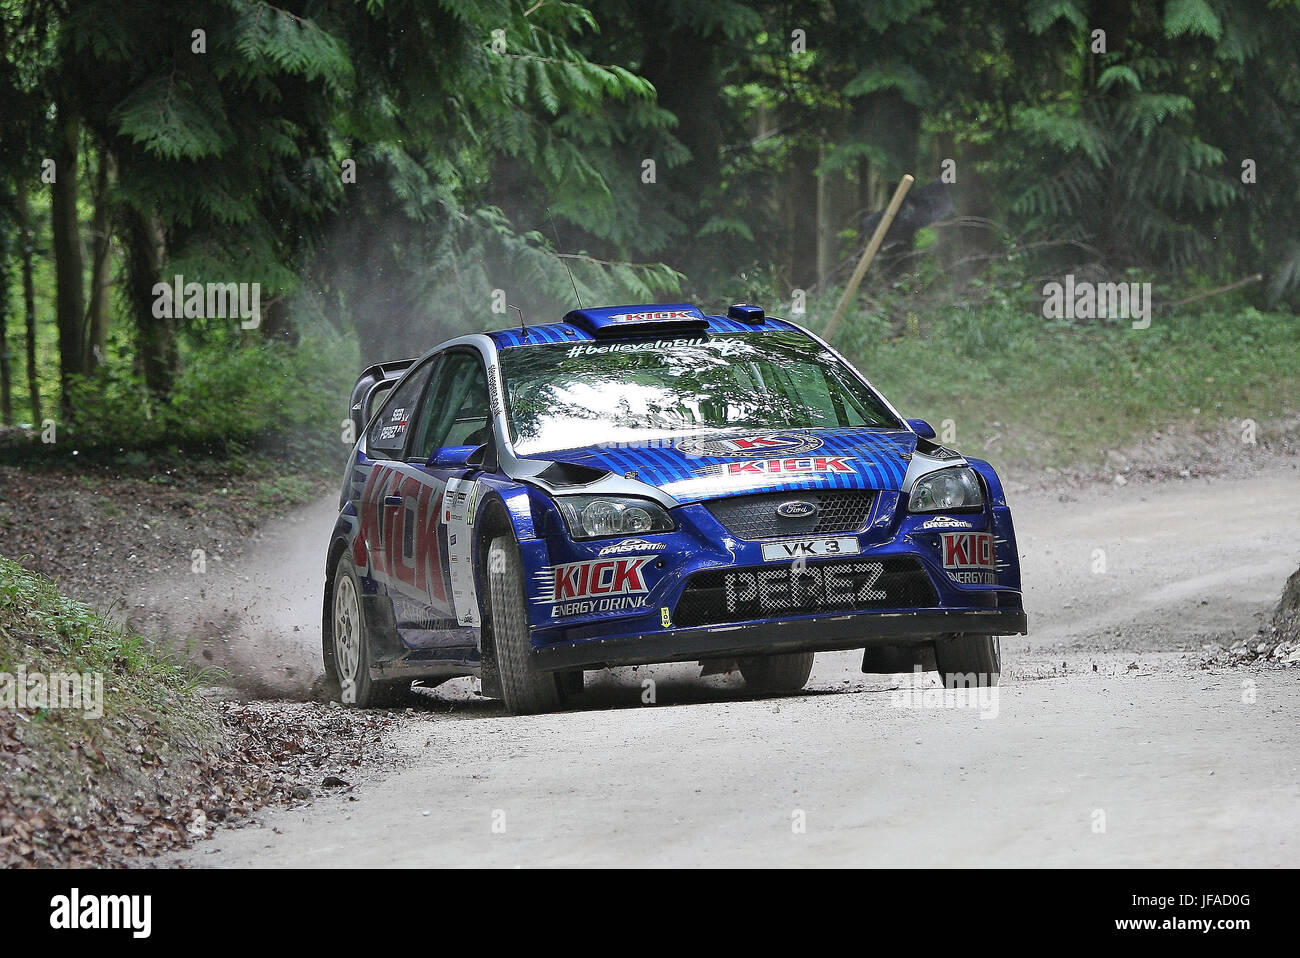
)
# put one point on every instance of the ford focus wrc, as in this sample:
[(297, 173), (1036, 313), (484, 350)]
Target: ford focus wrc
[(642, 484)]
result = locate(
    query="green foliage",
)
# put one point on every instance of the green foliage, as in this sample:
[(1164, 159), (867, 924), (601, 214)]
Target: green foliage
[(1028, 393), (285, 401), (471, 124), (1191, 18), (1041, 15), (79, 637)]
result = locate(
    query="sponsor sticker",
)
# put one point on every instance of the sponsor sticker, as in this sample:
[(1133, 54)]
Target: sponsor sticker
[(631, 545), (968, 557), (458, 505), (469, 506), (750, 447), (946, 522), (810, 548), (756, 593), (593, 585), (653, 317), (665, 617), (724, 347), (835, 465), (494, 390)]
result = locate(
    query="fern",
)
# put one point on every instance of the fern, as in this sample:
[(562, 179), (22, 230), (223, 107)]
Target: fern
[(292, 44), (166, 116), (1119, 74), (1191, 18), (1042, 14)]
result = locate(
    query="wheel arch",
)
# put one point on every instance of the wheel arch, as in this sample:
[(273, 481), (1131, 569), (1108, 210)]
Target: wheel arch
[(337, 547), (494, 521)]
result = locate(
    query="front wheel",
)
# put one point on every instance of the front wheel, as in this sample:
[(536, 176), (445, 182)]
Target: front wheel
[(777, 673), (525, 688), (968, 661), (348, 654)]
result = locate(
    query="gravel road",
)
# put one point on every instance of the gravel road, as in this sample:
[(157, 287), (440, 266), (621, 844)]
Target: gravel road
[(1107, 744)]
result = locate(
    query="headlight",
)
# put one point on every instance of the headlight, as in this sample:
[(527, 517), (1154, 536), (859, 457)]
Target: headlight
[(593, 517), (946, 490)]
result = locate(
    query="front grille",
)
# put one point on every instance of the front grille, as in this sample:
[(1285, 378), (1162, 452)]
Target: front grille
[(755, 517), (765, 592)]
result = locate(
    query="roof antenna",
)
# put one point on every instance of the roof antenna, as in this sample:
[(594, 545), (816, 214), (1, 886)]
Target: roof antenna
[(522, 327), (561, 258)]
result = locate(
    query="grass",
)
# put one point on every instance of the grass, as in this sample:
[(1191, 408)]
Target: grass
[(1027, 392), (283, 492), (46, 631), (76, 781)]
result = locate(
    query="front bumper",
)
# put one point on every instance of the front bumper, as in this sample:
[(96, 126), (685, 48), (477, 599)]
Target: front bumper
[(820, 634)]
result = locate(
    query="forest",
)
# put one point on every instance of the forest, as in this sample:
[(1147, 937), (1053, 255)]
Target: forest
[(214, 212)]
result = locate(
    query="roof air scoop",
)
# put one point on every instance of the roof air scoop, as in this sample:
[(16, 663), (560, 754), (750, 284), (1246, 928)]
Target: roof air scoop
[(632, 320)]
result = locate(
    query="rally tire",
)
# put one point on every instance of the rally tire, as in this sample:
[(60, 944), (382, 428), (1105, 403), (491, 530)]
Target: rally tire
[(787, 672), (968, 661), (525, 688), (349, 654)]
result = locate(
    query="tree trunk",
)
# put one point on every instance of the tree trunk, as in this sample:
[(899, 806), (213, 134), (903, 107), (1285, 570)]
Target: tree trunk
[(101, 272), (156, 350), (799, 218), (277, 321), (29, 301), (70, 307), (6, 387), (837, 209)]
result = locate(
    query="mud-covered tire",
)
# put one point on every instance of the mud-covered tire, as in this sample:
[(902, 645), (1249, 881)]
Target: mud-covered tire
[(348, 651), (787, 672), (524, 688), (968, 661)]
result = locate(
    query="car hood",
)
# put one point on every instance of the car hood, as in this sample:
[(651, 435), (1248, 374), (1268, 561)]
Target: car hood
[(731, 463)]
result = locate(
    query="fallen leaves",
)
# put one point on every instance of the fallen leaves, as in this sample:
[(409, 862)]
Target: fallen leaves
[(271, 753)]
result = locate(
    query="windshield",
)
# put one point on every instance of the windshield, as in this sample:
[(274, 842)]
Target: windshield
[(627, 393)]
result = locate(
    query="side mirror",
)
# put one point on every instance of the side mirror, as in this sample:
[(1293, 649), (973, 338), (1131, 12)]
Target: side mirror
[(485, 456), (451, 457), (922, 428)]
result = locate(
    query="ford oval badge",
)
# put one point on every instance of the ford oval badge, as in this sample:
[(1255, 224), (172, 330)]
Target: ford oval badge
[(796, 509)]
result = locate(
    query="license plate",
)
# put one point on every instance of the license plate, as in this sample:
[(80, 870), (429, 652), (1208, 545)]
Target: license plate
[(810, 548)]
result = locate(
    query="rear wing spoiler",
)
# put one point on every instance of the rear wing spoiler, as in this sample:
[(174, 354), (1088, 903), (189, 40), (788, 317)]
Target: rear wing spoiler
[(371, 388)]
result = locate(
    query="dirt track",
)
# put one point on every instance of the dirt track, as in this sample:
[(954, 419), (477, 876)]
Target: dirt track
[(1109, 746)]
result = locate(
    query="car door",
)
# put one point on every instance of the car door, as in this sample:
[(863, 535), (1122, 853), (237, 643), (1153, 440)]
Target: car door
[(386, 503), (452, 420)]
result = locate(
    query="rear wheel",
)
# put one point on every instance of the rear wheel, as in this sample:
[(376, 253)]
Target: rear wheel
[(348, 654), (777, 673), (968, 661), (525, 688)]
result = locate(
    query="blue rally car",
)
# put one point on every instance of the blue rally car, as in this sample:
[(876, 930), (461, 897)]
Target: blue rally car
[(640, 484)]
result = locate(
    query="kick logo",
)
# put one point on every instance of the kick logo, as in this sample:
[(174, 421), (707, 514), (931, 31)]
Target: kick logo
[(781, 467), (654, 317), (592, 578), (969, 551)]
